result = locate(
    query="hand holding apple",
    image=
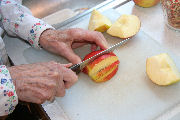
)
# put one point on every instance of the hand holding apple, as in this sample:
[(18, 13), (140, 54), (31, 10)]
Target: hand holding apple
[(62, 42)]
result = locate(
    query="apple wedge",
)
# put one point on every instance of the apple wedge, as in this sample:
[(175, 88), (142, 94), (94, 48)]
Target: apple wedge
[(99, 22), (126, 26), (162, 70)]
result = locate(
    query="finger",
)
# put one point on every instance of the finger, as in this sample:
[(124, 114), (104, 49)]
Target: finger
[(35, 94), (28, 96), (60, 90), (67, 65), (100, 40), (71, 56), (81, 35), (93, 47), (56, 76), (69, 77), (77, 45)]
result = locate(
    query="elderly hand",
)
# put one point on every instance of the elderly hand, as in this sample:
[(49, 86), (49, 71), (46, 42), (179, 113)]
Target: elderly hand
[(62, 42), (39, 82)]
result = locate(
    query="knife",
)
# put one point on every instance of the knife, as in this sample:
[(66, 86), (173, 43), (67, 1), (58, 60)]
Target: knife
[(78, 67)]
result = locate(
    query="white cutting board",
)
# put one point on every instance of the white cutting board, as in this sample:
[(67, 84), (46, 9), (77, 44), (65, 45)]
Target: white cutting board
[(129, 95)]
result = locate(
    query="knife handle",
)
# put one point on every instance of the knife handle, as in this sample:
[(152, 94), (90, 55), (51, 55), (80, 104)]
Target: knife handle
[(75, 68)]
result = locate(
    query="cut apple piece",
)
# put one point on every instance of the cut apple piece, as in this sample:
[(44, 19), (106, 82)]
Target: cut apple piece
[(126, 26), (99, 22), (103, 68), (162, 70)]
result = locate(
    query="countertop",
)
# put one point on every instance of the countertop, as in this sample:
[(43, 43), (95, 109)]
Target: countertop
[(152, 24)]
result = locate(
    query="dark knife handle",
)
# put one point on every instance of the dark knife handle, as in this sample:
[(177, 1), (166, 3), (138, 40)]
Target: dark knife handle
[(75, 68)]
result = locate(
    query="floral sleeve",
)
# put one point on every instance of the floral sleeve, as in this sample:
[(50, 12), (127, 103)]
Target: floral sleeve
[(18, 21), (8, 97)]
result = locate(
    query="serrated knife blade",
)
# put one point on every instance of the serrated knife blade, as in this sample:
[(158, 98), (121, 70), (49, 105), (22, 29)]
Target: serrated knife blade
[(78, 67)]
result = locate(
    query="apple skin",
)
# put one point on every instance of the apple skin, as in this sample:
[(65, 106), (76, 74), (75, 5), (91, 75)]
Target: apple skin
[(109, 69), (146, 3)]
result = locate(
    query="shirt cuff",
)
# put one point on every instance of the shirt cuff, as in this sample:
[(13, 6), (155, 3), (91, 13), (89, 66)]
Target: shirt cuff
[(8, 96), (35, 32)]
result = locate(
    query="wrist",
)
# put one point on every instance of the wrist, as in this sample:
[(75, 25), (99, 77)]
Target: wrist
[(10, 98), (44, 35)]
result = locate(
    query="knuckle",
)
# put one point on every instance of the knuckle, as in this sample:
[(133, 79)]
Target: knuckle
[(75, 31), (48, 97), (52, 85), (40, 101), (44, 96), (55, 74)]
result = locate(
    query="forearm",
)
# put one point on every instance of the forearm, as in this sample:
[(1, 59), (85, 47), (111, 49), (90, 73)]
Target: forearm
[(8, 97), (18, 21)]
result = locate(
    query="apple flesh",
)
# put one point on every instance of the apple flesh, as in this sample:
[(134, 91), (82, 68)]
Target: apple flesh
[(162, 70), (126, 26), (146, 3), (103, 68), (99, 22)]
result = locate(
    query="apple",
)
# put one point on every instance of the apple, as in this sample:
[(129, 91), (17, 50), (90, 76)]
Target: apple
[(162, 70), (99, 22), (146, 3), (103, 68), (126, 26)]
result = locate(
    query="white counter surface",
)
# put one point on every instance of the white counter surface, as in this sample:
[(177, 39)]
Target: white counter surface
[(153, 26)]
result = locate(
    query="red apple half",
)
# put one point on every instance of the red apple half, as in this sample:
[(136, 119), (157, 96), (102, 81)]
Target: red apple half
[(103, 68)]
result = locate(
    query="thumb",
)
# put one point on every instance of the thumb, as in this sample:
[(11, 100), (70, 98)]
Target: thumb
[(71, 56), (67, 65)]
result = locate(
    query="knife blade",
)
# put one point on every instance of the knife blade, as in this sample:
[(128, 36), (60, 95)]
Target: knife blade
[(78, 67)]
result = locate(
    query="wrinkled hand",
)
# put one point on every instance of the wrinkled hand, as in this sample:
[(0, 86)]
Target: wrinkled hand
[(62, 42), (39, 82)]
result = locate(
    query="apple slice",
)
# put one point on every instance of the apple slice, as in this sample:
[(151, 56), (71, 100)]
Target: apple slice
[(99, 22), (126, 26), (162, 70), (103, 68)]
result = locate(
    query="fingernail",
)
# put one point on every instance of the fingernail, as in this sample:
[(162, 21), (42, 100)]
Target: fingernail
[(106, 45)]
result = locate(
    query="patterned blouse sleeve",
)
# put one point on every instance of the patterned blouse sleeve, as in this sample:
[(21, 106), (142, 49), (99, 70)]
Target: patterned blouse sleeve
[(18, 21), (8, 97)]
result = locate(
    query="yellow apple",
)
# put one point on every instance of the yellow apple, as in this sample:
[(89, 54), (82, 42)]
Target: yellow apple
[(99, 22), (146, 3), (162, 70), (126, 26)]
